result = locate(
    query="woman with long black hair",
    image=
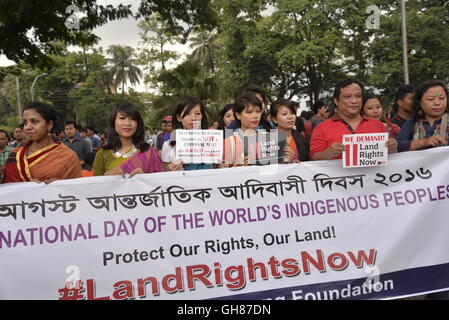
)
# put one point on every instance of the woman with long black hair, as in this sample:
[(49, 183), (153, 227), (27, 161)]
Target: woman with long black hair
[(188, 114), (126, 150)]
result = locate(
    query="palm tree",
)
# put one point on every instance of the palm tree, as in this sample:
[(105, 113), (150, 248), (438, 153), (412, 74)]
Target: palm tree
[(106, 80), (124, 65), (204, 52)]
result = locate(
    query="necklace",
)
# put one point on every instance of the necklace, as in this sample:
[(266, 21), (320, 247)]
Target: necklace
[(126, 155)]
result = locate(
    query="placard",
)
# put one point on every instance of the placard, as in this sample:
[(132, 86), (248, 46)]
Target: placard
[(199, 146), (365, 150)]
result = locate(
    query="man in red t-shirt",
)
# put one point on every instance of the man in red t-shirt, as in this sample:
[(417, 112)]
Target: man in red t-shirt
[(327, 138)]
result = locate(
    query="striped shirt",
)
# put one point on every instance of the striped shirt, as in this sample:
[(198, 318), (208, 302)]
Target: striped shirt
[(4, 155)]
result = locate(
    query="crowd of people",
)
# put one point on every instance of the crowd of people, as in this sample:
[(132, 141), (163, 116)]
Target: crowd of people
[(417, 121)]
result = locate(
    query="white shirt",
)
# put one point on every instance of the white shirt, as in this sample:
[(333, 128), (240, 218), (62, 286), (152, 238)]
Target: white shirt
[(168, 153)]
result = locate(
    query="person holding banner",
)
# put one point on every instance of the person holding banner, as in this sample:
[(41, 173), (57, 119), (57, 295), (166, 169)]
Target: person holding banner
[(429, 127), (283, 114), (372, 108), (40, 159), (259, 93), (188, 114), (326, 141), (126, 152), (238, 149)]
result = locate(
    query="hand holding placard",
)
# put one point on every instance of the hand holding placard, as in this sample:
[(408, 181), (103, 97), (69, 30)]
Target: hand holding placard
[(367, 150)]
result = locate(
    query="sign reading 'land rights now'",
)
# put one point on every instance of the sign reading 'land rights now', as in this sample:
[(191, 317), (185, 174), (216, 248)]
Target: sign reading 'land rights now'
[(365, 150)]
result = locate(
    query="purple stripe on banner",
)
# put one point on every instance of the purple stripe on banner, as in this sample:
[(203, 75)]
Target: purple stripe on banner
[(396, 284)]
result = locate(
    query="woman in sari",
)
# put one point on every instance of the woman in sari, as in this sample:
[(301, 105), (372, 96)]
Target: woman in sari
[(126, 152), (40, 159)]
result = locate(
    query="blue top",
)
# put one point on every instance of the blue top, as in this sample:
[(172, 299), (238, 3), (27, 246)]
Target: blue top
[(199, 166), (96, 143), (167, 137), (405, 136)]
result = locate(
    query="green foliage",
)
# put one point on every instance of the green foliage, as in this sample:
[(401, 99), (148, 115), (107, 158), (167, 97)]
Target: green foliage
[(29, 29), (296, 49), (78, 86), (152, 53), (428, 48), (123, 67)]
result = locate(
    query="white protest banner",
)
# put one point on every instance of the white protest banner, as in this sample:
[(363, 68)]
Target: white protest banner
[(365, 150), (303, 231), (199, 146)]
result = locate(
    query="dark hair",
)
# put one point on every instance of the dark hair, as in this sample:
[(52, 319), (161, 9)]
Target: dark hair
[(256, 89), (45, 111), (92, 128), (307, 115), (138, 137), (223, 112), (67, 123), (317, 106), (291, 105), (400, 94), (243, 101), (183, 107), (370, 95), (419, 93), (343, 84), (83, 130), (21, 126), (6, 133)]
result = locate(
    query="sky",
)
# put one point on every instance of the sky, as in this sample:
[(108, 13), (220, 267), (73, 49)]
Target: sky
[(126, 32), (123, 32)]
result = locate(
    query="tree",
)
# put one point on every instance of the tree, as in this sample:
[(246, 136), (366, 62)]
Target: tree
[(153, 54), (124, 66), (205, 50), (236, 27), (77, 86), (30, 32), (428, 50)]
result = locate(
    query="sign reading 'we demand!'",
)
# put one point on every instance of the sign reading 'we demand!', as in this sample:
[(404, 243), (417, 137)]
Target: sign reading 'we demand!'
[(365, 150)]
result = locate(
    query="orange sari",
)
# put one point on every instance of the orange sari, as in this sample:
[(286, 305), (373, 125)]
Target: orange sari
[(53, 162)]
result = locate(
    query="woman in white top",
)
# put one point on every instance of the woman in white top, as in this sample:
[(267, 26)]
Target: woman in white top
[(188, 114)]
